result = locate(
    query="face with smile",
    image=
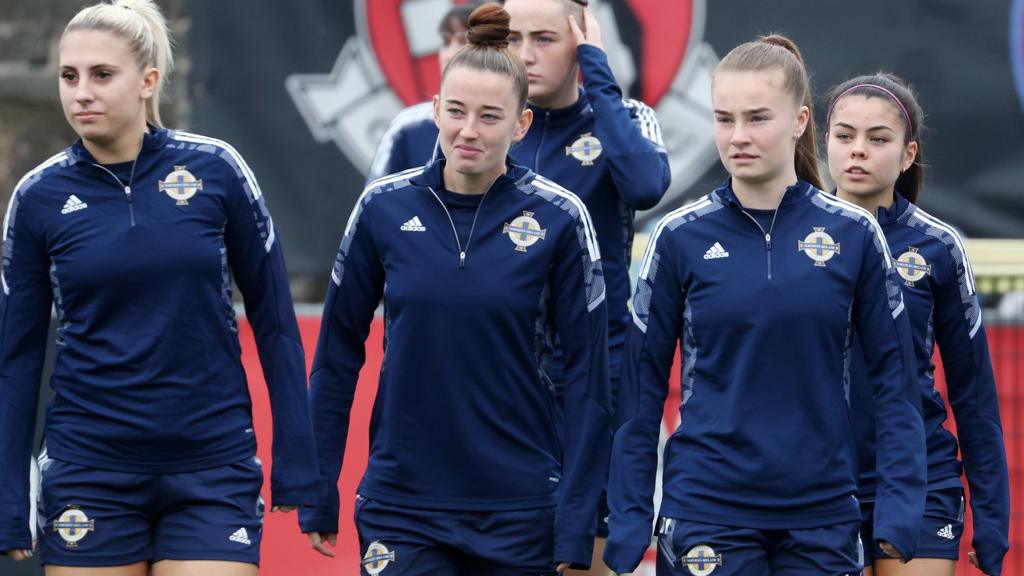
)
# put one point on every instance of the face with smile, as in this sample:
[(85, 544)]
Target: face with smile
[(103, 90), (540, 36), (757, 125), (478, 118), (866, 147)]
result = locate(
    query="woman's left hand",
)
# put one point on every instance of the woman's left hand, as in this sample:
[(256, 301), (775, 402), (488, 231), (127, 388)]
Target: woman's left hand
[(592, 35), (889, 550), (561, 568), (284, 509)]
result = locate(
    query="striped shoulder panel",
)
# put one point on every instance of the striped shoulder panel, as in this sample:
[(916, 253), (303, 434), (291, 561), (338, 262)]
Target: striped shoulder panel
[(649, 267), (386, 184), (51, 165), (569, 202), (834, 205), (226, 152), (646, 118), (951, 239), (674, 219)]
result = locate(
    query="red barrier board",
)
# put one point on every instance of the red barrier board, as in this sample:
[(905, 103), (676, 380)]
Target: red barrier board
[(286, 551)]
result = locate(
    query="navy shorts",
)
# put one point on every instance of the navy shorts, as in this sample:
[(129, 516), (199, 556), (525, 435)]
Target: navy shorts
[(941, 527), (687, 548), (92, 518), (402, 541)]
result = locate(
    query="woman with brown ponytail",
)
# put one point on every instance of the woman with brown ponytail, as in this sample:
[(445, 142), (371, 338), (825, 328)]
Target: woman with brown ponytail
[(481, 264), (761, 283)]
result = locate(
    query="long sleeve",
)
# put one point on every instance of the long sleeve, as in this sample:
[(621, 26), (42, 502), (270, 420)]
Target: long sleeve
[(901, 457), (657, 323), (960, 334), (357, 285), (24, 319), (257, 261), (629, 132), (578, 294)]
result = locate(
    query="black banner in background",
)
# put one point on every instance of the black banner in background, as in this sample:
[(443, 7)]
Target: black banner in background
[(303, 90)]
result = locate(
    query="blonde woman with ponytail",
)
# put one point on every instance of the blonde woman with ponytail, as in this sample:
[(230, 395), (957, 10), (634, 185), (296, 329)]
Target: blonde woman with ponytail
[(760, 284), (132, 235)]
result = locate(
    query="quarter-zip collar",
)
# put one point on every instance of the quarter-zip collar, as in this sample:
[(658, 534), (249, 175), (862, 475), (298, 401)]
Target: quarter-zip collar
[(154, 139), (900, 208), (557, 116), (793, 194), (433, 176)]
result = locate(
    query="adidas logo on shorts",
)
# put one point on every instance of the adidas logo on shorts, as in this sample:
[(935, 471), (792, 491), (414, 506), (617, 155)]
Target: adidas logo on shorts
[(946, 532), (240, 536)]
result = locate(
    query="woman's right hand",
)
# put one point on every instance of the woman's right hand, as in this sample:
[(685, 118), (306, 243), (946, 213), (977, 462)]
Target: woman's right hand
[(20, 555), (320, 540)]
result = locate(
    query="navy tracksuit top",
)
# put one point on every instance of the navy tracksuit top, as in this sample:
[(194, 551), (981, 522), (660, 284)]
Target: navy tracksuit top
[(764, 318), (464, 414), (942, 304), (148, 375)]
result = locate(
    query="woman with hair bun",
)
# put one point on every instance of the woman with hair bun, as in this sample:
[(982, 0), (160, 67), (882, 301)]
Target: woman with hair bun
[(876, 159), (481, 264), (133, 235), (761, 283)]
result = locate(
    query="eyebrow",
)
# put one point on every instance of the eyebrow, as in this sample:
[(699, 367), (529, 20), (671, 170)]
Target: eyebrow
[(879, 127), (93, 67), (761, 110), (485, 106)]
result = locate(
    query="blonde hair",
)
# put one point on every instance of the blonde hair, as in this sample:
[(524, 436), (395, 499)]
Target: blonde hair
[(144, 27)]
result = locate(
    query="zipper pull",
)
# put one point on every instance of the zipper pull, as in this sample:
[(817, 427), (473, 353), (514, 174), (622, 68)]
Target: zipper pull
[(462, 259), (768, 240), (128, 191)]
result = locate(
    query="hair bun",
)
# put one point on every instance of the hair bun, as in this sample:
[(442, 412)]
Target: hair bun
[(488, 27)]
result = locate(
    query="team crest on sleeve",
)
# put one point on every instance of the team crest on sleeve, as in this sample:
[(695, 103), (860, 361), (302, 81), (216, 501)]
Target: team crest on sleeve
[(701, 560), (181, 185), (377, 558), (73, 525), (586, 149), (912, 267), (818, 246), (524, 231)]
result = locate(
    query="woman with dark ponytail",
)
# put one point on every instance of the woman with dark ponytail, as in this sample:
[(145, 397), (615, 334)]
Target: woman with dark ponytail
[(760, 283), (481, 265), (133, 234), (875, 156)]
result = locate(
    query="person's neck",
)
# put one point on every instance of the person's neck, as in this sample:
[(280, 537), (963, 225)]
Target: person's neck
[(122, 149), (766, 195), (470, 184), (870, 202), (564, 97)]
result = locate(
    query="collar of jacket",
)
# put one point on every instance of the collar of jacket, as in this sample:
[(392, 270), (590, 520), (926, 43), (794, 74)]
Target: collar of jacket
[(153, 139), (793, 194), (433, 175), (562, 115), (893, 214)]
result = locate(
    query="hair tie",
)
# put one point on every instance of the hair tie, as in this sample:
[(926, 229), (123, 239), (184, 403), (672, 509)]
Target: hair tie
[(886, 91)]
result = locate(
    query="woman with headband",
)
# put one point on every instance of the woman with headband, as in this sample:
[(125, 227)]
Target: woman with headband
[(760, 283), (876, 160)]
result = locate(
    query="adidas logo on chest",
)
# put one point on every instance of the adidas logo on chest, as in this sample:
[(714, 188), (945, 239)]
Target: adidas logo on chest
[(73, 204), (716, 251), (414, 225)]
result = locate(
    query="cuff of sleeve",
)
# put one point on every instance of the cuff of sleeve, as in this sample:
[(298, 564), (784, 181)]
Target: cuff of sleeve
[(577, 551), (317, 520), (906, 550), (626, 546), (292, 498), (18, 539)]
